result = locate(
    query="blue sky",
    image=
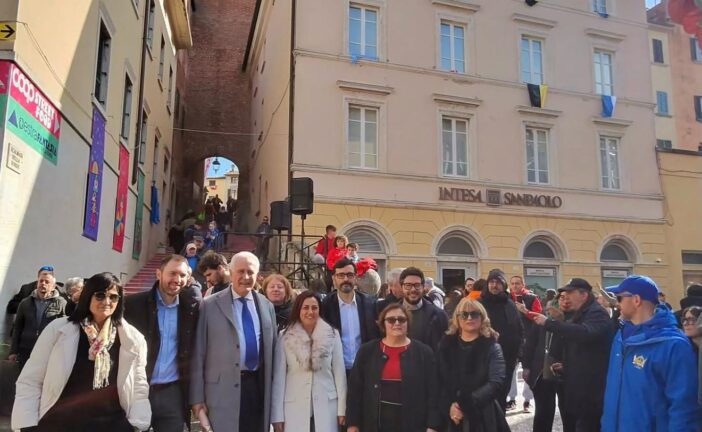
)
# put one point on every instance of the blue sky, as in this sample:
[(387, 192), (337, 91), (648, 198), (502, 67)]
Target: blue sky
[(225, 165), (651, 3)]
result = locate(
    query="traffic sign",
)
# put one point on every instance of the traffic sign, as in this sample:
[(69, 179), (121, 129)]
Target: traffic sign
[(8, 31)]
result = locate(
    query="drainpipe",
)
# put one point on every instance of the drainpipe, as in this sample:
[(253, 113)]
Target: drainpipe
[(142, 68), (291, 100)]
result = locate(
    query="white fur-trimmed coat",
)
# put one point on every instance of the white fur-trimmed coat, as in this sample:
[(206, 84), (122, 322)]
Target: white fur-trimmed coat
[(309, 375)]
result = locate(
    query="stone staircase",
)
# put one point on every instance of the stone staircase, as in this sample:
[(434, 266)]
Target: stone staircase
[(145, 278)]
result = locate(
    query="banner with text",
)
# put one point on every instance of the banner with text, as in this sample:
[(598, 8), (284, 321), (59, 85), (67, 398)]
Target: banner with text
[(5, 67), (31, 116), (138, 216), (96, 164), (122, 199)]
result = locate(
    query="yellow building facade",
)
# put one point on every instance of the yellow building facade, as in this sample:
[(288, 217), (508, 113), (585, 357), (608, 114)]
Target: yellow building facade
[(420, 135)]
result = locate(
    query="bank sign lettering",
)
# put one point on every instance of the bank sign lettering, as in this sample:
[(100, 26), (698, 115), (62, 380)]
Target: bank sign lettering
[(32, 117)]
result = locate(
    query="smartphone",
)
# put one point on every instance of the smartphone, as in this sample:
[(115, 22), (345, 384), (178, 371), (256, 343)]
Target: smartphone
[(519, 299)]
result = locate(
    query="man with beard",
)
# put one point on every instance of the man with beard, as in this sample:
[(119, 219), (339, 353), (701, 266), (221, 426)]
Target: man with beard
[(428, 323), (216, 271), (167, 317), (349, 311), (34, 313), (582, 355), (505, 319)]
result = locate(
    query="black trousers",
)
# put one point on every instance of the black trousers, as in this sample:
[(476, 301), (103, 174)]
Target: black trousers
[(167, 413), (251, 402), (545, 401), (581, 421), (509, 370)]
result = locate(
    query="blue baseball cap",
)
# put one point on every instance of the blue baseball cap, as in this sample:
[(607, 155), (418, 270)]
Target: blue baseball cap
[(642, 286)]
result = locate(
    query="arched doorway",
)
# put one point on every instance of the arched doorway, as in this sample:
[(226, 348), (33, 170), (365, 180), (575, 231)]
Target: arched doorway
[(456, 259), (542, 256), (616, 258)]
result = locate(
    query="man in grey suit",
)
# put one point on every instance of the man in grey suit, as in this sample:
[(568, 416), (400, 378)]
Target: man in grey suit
[(231, 368)]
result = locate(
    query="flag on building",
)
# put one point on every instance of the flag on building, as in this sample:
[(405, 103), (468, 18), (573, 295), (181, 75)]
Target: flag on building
[(155, 210), (537, 94), (608, 104)]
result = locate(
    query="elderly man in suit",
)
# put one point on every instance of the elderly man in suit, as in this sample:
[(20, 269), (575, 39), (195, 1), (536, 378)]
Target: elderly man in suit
[(231, 368)]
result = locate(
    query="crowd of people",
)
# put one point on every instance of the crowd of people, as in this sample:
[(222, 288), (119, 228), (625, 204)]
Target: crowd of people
[(243, 353)]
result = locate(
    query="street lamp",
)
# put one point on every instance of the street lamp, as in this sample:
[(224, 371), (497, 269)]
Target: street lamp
[(215, 165)]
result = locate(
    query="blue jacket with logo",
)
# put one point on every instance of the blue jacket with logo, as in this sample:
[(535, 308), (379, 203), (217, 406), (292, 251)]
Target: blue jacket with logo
[(652, 379)]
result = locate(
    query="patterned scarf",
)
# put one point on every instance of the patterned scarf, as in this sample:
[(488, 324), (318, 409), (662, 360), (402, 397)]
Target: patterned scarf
[(100, 343)]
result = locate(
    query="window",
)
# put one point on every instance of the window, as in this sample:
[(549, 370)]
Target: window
[(142, 142), (453, 47), (657, 51), (150, 29), (166, 163), (695, 50), (537, 155), (102, 69), (170, 87), (662, 102), (539, 250), (599, 6), (454, 142), (698, 108), (161, 59), (609, 160), (455, 246), (692, 258), (154, 170), (614, 252), (363, 137), (363, 32), (603, 72), (531, 60), (126, 108), (664, 144)]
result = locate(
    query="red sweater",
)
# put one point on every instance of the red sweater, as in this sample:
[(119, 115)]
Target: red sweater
[(391, 370), (335, 255)]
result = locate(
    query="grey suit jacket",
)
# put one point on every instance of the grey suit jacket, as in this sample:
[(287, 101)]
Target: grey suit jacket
[(215, 369)]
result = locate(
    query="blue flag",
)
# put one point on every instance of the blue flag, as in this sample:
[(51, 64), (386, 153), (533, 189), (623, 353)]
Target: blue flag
[(155, 211), (608, 104)]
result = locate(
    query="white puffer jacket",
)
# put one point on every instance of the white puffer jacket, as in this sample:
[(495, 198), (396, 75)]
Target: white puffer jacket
[(40, 385)]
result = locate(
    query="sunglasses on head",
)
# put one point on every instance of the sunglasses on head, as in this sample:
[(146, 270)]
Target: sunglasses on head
[(101, 296), (395, 320), (465, 315)]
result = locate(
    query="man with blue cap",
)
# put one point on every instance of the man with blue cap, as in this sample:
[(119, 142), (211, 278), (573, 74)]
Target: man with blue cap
[(652, 377)]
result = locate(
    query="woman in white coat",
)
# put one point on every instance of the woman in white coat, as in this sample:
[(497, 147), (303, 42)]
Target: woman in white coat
[(87, 371), (309, 377)]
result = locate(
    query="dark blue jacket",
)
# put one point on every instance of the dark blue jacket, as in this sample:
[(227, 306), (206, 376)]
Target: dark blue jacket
[(652, 379)]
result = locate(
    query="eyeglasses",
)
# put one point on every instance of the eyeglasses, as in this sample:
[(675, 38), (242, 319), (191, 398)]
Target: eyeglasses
[(101, 296), (688, 321), (412, 286), (623, 295), (396, 320), (46, 268), (349, 275), (466, 315)]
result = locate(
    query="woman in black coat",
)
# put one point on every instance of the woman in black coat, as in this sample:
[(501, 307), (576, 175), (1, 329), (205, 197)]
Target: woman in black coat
[(278, 290), (472, 372), (393, 383)]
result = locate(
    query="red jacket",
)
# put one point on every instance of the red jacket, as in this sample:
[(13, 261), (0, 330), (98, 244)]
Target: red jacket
[(335, 255), (323, 247)]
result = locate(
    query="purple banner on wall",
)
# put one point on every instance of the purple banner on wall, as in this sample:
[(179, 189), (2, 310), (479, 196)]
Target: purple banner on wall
[(97, 154)]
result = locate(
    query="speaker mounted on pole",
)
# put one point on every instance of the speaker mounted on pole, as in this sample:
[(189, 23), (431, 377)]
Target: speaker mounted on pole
[(281, 220), (301, 196)]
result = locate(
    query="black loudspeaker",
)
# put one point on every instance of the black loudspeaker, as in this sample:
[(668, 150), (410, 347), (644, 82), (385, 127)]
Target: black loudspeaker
[(301, 196), (280, 216)]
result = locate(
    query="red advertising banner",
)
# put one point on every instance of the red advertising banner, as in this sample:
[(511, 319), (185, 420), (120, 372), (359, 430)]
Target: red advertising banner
[(32, 99), (122, 196)]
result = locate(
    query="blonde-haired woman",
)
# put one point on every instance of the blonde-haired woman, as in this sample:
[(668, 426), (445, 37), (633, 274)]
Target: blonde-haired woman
[(278, 290), (471, 372)]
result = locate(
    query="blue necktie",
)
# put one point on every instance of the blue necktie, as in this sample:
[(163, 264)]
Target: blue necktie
[(251, 360)]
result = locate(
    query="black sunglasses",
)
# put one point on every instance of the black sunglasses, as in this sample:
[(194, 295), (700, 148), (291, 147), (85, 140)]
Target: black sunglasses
[(395, 320), (469, 315), (101, 296)]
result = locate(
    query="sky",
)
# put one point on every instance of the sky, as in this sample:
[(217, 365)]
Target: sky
[(225, 166), (651, 3)]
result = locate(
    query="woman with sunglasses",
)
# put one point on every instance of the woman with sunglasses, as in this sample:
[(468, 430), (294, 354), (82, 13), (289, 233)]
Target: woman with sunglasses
[(87, 371), (472, 372), (309, 376), (393, 383)]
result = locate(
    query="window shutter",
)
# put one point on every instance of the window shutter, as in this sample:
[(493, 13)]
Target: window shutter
[(658, 51), (698, 108), (693, 49)]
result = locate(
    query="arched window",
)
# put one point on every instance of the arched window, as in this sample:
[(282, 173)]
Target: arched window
[(613, 252), (369, 245), (455, 246), (539, 250)]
